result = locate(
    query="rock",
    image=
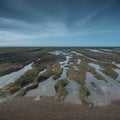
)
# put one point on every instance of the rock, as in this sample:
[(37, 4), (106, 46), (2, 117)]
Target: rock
[(37, 98)]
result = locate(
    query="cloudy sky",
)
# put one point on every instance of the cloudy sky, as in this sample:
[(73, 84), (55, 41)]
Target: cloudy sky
[(59, 22)]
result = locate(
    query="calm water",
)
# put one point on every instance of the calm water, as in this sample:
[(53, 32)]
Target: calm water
[(6, 79)]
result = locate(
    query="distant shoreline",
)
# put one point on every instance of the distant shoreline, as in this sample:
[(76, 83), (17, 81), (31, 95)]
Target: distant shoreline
[(60, 46)]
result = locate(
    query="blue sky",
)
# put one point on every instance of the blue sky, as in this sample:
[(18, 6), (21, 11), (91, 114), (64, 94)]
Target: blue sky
[(59, 23)]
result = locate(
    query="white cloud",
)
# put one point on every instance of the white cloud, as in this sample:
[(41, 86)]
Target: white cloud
[(88, 18), (14, 22), (6, 35), (43, 31), (45, 27)]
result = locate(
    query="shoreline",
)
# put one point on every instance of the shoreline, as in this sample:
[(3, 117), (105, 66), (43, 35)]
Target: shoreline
[(9, 99)]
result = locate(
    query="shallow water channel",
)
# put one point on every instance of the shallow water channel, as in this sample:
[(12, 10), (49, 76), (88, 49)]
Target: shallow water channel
[(11, 77), (99, 51), (46, 88), (73, 89), (103, 92)]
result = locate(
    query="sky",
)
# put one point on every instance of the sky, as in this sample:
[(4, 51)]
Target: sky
[(59, 22)]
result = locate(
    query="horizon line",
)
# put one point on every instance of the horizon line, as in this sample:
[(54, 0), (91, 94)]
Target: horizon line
[(60, 46)]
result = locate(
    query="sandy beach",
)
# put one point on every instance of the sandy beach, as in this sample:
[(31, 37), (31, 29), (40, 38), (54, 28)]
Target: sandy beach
[(26, 108)]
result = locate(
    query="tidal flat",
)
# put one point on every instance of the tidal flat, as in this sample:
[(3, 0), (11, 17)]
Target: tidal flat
[(82, 76)]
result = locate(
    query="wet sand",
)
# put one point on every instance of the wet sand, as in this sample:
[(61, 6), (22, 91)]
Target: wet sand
[(26, 108)]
